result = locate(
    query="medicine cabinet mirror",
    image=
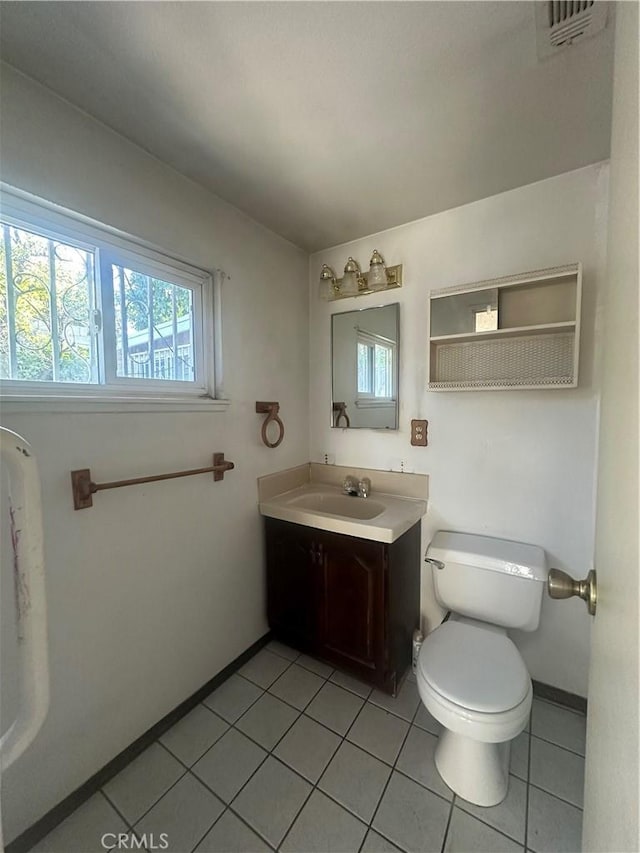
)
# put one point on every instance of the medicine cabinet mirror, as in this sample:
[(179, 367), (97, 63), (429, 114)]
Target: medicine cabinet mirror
[(365, 347)]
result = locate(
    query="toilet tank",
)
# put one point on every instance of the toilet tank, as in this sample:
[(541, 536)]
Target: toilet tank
[(493, 580)]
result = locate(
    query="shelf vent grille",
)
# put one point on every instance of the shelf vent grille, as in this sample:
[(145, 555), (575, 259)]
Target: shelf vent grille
[(561, 23), (533, 360)]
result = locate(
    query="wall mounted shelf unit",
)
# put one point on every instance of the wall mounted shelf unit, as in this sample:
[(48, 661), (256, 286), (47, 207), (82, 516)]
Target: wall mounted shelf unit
[(512, 333)]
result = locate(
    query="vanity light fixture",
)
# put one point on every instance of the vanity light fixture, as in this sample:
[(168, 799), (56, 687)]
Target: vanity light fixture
[(355, 282)]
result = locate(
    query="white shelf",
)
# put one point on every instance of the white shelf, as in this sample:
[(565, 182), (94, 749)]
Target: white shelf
[(516, 331), (537, 346)]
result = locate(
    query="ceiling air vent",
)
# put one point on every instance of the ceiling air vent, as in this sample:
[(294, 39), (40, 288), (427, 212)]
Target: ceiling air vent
[(561, 23)]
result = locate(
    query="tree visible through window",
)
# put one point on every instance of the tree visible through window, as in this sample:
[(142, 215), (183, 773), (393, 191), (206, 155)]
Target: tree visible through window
[(84, 312), (154, 327), (46, 309)]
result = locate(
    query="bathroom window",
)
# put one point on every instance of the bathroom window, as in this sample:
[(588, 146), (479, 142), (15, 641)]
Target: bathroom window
[(86, 315), (375, 369)]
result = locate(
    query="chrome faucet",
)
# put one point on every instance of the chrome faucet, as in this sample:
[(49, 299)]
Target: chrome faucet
[(350, 485), (364, 487), (359, 488)]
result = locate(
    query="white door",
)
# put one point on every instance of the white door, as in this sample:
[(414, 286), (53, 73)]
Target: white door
[(26, 627), (613, 724)]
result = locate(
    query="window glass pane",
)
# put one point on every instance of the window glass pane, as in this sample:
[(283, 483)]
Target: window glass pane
[(154, 327), (46, 309), (364, 368), (383, 371)]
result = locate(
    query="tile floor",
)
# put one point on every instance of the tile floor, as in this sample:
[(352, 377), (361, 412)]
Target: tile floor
[(290, 755)]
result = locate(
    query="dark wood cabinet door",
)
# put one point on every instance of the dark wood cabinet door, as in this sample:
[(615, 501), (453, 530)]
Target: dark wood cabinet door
[(292, 582), (352, 601)]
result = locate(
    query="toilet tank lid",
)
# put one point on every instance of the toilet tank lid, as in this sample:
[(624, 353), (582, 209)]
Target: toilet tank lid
[(485, 552)]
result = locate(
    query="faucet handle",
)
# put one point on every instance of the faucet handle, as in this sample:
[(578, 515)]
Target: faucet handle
[(364, 487), (350, 485)]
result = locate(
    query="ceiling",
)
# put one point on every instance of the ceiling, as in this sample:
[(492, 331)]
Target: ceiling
[(327, 121)]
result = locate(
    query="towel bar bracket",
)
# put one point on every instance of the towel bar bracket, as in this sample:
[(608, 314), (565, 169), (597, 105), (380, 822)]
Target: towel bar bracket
[(81, 485)]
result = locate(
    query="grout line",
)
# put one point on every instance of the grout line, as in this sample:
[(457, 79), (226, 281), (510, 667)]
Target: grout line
[(213, 743), (343, 739), (295, 660), (227, 806), (559, 745), (320, 777), (270, 752), (207, 831), (314, 786), (486, 823), (556, 797), (326, 679), (526, 799), (384, 790), (446, 829), (284, 657), (186, 767), (257, 699), (239, 817), (562, 707), (173, 784), (279, 675), (333, 754), (248, 825), (295, 707), (114, 807)]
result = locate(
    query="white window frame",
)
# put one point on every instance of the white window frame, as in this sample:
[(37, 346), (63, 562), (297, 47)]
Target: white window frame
[(112, 246), (366, 400)]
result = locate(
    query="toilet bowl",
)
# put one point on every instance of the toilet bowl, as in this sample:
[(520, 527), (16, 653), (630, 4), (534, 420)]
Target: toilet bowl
[(473, 681)]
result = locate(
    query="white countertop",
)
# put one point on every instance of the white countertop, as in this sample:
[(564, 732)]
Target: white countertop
[(308, 504)]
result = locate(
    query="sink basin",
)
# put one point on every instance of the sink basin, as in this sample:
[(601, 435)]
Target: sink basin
[(342, 505), (382, 518)]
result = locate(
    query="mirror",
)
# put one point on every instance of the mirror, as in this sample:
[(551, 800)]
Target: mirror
[(462, 313), (365, 346)]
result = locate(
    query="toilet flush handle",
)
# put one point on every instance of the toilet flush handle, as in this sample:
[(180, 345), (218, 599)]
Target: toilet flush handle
[(437, 564)]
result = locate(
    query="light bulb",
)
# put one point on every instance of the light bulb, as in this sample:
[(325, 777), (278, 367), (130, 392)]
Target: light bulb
[(349, 284), (377, 278), (327, 283)]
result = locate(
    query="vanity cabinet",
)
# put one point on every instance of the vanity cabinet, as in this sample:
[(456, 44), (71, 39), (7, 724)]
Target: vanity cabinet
[(350, 601)]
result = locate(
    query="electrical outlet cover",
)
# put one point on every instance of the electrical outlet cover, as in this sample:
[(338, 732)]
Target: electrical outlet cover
[(419, 433)]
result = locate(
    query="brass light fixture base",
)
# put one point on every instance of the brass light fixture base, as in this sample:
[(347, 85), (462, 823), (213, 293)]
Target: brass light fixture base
[(394, 279)]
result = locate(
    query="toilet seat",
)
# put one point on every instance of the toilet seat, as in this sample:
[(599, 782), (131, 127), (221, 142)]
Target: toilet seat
[(476, 725), (476, 669)]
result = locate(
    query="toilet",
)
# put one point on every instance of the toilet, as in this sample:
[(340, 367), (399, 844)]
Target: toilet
[(471, 677)]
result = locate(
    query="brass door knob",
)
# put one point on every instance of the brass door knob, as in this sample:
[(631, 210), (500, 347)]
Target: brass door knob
[(562, 585)]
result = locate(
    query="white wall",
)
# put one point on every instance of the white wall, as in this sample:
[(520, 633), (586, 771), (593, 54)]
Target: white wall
[(156, 588), (512, 464), (611, 807)]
